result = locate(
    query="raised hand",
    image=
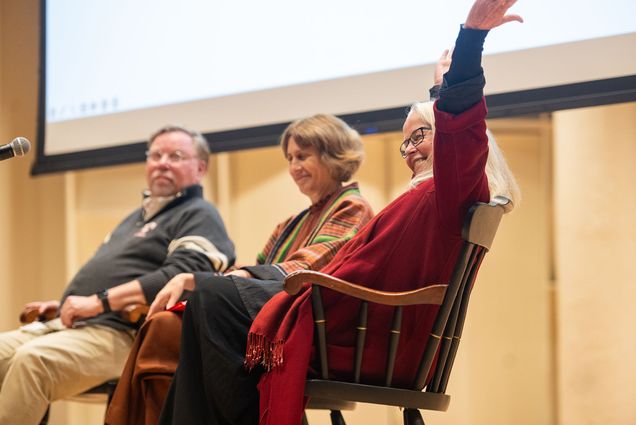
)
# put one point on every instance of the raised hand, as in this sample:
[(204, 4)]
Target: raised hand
[(488, 14), (442, 66)]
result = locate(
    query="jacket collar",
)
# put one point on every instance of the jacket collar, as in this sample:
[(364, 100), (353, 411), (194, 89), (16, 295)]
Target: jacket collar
[(153, 205)]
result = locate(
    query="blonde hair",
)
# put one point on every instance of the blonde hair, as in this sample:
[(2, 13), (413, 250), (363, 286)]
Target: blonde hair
[(501, 181), (339, 146)]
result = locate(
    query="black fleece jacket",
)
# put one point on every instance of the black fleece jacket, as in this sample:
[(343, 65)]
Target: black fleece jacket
[(138, 249)]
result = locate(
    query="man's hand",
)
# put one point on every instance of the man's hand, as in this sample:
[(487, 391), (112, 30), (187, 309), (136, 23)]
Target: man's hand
[(76, 307), (42, 306), (171, 293), (488, 14)]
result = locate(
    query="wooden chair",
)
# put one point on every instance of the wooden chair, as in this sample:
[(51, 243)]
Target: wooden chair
[(103, 392), (131, 314), (478, 233)]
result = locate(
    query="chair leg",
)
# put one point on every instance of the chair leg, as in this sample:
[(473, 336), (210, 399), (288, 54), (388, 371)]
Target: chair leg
[(45, 419), (336, 418), (412, 417), (112, 386)]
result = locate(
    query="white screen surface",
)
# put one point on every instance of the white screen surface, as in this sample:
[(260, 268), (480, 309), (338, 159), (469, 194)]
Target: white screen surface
[(116, 70)]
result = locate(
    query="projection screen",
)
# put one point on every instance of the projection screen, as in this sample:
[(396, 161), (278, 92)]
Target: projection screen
[(113, 71)]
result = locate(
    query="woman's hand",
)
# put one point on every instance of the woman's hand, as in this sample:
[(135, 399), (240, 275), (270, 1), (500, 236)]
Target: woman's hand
[(171, 293), (239, 273), (442, 66), (488, 14)]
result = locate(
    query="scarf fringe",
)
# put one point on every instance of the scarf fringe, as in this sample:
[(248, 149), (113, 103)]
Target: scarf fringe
[(261, 350)]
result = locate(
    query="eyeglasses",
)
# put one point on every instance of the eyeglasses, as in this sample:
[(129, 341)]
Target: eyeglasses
[(415, 139), (172, 157)]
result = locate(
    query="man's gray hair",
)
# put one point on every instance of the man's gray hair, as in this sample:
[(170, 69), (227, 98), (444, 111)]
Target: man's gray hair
[(200, 144)]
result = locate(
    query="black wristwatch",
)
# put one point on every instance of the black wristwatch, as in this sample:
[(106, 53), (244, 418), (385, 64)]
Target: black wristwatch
[(103, 297)]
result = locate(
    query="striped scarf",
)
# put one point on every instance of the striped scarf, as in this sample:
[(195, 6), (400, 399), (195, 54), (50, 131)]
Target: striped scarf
[(332, 226)]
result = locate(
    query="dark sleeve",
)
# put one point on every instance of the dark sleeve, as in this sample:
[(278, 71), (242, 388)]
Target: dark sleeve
[(265, 271), (433, 92), (199, 244), (463, 85)]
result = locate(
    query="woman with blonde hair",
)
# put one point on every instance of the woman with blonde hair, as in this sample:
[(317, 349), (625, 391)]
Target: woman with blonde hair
[(501, 181)]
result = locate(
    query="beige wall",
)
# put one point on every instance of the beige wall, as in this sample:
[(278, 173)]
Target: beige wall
[(595, 205), (520, 361), (33, 237)]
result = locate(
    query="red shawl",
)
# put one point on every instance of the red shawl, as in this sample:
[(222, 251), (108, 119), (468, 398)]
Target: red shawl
[(412, 243)]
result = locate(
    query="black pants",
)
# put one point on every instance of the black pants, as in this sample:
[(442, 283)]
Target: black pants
[(210, 385)]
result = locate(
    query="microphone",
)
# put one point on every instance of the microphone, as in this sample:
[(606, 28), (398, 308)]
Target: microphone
[(18, 147)]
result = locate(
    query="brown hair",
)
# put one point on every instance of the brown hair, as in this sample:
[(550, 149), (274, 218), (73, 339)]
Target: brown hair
[(339, 145)]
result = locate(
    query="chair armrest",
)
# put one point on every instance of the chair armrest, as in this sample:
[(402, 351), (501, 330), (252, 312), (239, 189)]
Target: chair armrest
[(133, 313), (31, 314), (433, 294)]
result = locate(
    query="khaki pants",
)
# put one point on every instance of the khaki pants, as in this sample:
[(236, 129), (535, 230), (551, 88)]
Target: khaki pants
[(41, 363)]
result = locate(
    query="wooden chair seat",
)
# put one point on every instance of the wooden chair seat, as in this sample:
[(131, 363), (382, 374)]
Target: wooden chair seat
[(336, 391)]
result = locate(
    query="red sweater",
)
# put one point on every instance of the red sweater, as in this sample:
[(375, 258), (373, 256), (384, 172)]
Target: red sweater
[(412, 243)]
